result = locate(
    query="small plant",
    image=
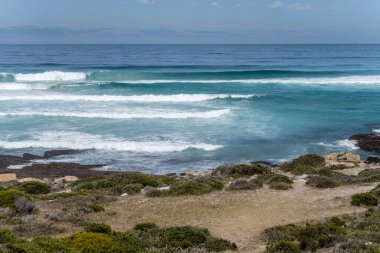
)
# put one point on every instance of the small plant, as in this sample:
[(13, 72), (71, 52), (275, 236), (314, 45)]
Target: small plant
[(242, 184), (284, 247), (96, 208), (25, 206), (35, 187), (322, 182), (364, 199), (240, 170), (306, 164), (7, 236), (9, 197), (93, 243), (145, 226), (98, 228)]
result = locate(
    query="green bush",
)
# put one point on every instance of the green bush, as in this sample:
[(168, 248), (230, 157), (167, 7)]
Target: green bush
[(9, 197), (242, 170), (93, 243), (306, 164), (7, 236), (219, 245), (35, 187), (322, 182), (48, 244), (277, 181), (241, 184), (96, 208), (284, 247), (98, 228), (145, 226), (140, 178), (364, 199), (199, 186)]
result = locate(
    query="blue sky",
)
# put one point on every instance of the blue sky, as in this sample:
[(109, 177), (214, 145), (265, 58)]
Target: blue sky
[(190, 21)]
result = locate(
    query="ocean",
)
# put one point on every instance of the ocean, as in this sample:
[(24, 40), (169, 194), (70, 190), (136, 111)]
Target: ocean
[(175, 108)]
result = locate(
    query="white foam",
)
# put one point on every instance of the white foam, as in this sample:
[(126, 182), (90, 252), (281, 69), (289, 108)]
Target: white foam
[(51, 76), (25, 86), (84, 141), (323, 80), (111, 98), (346, 143), (377, 131), (116, 115)]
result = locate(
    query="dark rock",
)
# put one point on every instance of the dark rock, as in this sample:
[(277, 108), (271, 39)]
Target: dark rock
[(54, 170), (54, 153), (367, 142), (28, 157), (373, 159), (7, 160)]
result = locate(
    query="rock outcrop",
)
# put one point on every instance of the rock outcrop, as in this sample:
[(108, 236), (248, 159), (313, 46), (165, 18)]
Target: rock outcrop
[(367, 142)]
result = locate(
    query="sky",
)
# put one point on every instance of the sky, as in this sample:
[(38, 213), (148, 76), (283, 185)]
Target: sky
[(189, 21)]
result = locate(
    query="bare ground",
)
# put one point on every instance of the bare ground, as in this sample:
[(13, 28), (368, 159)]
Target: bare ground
[(241, 216)]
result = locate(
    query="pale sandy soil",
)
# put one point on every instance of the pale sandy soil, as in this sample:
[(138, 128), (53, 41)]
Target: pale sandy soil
[(240, 216)]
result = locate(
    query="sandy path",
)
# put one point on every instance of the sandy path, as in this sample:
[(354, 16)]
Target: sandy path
[(236, 216)]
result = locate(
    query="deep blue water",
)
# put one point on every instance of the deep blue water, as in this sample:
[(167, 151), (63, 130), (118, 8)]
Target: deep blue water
[(162, 108)]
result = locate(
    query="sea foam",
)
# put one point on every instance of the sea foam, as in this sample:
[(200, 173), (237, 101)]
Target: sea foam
[(118, 115), (345, 143), (50, 76), (139, 98), (85, 141)]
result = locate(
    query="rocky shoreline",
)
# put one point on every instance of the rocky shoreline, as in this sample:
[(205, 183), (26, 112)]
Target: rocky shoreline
[(125, 210)]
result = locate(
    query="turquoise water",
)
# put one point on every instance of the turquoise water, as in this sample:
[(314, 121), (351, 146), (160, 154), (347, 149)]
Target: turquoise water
[(164, 108)]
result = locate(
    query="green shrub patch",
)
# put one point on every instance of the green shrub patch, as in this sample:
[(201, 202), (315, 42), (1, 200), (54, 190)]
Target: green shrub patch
[(364, 199)]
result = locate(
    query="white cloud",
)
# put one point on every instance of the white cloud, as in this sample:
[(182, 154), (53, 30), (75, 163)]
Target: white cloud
[(295, 6), (277, 4), (215, 4)]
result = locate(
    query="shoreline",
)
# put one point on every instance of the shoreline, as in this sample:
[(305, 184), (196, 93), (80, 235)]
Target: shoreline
[(237, 203)]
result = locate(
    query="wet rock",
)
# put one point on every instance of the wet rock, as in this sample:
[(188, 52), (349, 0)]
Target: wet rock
[(54, 153), (367, 142), (7, 160), (28, 157), (373, 159)]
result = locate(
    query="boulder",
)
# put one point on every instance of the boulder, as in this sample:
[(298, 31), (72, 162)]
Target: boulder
[(29, 179), (367, 142), (7, 160), (8, 177), (28, 157), (346, 157), (373, 159), (69, 179), (54, 153)]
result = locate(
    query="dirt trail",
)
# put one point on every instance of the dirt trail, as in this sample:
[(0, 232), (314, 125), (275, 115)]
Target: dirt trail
[(237, 216)]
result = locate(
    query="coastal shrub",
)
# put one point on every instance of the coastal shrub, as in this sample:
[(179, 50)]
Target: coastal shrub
[(7, 236), (242, 184), (140, 178), (285, 233), (48, 244), (309, 237), (242, 170), (306, 164), (145, 226), (376, 191), (37, 229), (284, 247), (199, 186), (98, 228), (93, 243), (322, 182), (368, 176), (35, 187), (278, 181), (338, 167), (131, 189), (96, 208), (219, 245), (62, 195), (9, 197), (364, 199), (24, 206)]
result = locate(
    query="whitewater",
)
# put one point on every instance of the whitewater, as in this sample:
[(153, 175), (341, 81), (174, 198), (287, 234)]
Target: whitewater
[(176, 108)]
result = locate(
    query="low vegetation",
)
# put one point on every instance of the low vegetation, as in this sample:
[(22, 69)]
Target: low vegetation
[(306, 164), (100, 238), (364, 199)]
